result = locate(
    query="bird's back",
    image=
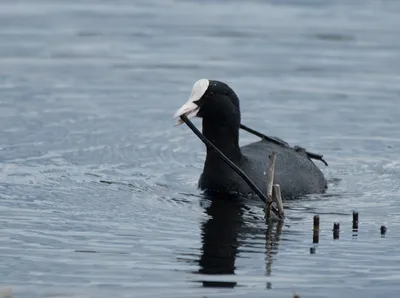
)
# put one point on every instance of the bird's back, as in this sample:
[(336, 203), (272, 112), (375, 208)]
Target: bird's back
[(294, 171)]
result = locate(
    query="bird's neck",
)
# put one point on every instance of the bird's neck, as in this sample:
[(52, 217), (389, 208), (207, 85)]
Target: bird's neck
[(225, 138)]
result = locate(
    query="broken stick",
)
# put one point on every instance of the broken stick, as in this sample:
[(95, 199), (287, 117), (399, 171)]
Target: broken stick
[(270, 182), (276, 195)]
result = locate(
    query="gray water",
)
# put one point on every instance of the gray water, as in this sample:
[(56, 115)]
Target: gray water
[(87, 92)]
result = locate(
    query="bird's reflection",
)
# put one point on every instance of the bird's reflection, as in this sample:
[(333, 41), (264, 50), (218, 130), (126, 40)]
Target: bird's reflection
[(220, 238), (224, 232)]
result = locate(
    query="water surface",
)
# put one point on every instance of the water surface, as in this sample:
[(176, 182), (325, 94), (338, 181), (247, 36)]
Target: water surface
[(87, 92)]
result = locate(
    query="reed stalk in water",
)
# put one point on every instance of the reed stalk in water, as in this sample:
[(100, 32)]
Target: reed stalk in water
[(270, 183), (277, 197)]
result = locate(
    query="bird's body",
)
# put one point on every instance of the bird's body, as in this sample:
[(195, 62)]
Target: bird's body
[(218, 105), (294, 171)]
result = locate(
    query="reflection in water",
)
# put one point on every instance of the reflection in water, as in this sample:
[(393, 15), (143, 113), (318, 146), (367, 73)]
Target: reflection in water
[(221, 235), (272, 245), (220, 239)]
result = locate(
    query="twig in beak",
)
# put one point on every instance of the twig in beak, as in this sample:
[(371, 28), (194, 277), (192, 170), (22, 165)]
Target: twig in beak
[(229, 163)]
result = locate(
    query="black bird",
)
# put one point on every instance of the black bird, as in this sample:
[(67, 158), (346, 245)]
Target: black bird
[(218, 105)]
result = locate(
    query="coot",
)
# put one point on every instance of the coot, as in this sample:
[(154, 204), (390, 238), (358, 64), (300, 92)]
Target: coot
[(218, 105)]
